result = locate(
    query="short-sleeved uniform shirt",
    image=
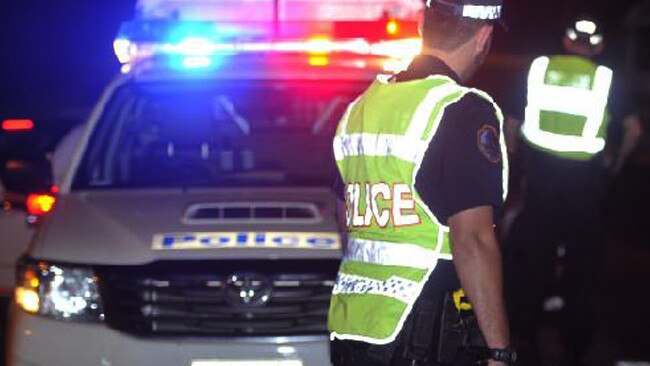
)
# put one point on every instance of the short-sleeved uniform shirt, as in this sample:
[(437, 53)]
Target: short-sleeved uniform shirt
[(462, 168)]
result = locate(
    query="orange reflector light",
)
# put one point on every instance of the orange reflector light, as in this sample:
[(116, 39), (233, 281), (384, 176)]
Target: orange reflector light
[(28, 300), (30, 279), (17, 125), (392, 27), (319, 61), (40, 204)]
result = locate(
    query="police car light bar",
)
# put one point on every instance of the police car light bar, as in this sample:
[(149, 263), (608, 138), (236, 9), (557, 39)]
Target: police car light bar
[(127, 51), (206, 40)]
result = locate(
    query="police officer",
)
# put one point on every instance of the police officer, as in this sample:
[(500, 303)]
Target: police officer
[(564, 132), (422, 165)]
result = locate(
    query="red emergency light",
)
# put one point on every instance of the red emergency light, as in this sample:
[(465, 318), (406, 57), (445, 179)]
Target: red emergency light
[(40, 204), (17, 125), (386, 29)]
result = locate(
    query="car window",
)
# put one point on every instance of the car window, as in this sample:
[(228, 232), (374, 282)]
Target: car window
[(272, 133)]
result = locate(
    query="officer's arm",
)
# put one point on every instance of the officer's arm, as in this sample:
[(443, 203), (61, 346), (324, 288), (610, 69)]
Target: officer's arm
[(477, 258)]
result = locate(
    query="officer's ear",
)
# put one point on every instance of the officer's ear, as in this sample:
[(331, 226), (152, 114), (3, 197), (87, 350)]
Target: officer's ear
[(484, 38)]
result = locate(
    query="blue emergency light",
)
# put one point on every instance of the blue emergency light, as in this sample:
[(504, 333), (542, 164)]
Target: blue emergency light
[(194, 41)]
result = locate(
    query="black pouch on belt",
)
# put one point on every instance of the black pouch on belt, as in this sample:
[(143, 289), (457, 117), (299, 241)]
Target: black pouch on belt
[(420, 344), (416, 339), (459, 332)]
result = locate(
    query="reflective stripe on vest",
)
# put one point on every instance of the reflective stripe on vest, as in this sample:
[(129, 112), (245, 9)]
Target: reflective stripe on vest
[(394, 240), (390, 254), (395, 287), (588, 102)]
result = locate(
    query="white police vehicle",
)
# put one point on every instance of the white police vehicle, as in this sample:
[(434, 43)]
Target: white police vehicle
[(195, 224)]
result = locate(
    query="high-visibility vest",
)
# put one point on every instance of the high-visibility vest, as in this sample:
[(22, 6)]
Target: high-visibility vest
[(567, 112), (394, 239)]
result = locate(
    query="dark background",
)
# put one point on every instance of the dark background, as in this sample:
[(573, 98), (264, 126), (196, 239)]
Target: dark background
[(56, 55)]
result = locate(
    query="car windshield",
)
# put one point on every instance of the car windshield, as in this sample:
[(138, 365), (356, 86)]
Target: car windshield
[(261, 133)]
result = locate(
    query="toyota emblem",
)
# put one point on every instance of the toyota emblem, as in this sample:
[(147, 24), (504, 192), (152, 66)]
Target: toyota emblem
[(248, 289)]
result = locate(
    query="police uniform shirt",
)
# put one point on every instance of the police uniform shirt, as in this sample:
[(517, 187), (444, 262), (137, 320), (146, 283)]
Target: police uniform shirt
[(462, 168)]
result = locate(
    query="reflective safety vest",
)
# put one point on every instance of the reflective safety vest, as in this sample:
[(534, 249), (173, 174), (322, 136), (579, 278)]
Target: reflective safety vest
[(394, 240), (567, 113)]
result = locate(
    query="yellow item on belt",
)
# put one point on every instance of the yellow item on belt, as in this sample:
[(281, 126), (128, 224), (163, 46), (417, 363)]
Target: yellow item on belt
[(460, 300)]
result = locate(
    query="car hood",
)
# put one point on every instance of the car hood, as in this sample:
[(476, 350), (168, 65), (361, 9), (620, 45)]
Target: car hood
[(130, 227)]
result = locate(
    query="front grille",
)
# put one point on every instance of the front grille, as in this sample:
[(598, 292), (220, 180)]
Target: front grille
[(210, 298)]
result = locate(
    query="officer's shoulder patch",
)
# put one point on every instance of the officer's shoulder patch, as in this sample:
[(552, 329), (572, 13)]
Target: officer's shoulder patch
[(487, 141)]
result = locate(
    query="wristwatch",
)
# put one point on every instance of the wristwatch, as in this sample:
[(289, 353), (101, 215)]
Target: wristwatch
[(505, 355)]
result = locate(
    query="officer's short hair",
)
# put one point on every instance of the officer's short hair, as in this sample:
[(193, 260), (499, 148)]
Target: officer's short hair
[(447, 32)]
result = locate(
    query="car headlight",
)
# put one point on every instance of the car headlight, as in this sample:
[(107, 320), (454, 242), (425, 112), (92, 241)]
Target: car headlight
[(57, 291)]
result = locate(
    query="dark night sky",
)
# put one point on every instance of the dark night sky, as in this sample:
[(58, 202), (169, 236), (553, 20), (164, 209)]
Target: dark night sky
[(55, 53), (58, 53)]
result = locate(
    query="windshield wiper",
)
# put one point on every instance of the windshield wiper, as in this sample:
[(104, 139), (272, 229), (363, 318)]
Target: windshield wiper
[(241, 122)]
